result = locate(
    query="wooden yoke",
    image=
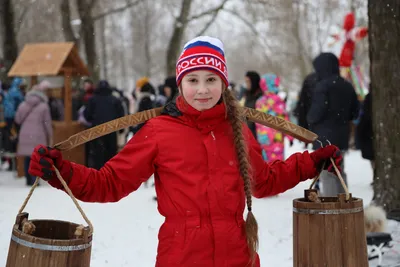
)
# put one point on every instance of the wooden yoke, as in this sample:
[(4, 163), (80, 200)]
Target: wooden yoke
[(276, 123)]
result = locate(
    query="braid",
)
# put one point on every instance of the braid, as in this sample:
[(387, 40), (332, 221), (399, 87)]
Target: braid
[(234, 116)]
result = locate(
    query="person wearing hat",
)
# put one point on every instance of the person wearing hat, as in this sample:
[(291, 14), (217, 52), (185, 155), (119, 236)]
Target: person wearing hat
[(103, 107), (206, 163), (35, 125)]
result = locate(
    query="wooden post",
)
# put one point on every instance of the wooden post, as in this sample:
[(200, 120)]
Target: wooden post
[(67, 97), (33, 80)]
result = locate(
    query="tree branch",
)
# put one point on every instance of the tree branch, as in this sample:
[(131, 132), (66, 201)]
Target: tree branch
[(21, 19), (208, 24), (117, 10), (208, 12), (245, 21), (214, 16)]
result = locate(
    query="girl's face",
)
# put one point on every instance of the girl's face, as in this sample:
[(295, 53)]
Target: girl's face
[(201, 89)]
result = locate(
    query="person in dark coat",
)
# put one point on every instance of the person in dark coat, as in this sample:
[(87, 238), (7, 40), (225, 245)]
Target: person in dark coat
[(170, 88), (253, 93), (364, 130), (304, 102), (145, 101), (334, 105), (146, 97), (103, 107)]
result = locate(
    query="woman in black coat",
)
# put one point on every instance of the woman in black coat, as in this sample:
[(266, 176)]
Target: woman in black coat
[(364, 130), (253, 93)]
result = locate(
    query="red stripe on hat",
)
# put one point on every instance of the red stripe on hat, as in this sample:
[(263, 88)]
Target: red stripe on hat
[(201, 57)]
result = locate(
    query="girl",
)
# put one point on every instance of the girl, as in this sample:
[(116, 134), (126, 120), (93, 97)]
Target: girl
[(206, 164), (271, 141)]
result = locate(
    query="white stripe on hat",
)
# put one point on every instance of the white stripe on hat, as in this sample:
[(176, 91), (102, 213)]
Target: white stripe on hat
[(208, 39)]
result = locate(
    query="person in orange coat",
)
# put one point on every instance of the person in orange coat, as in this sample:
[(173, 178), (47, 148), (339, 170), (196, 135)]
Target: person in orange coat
[(206, 163)]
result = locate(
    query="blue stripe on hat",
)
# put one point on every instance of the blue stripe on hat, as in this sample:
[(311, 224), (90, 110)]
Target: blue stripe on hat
[(206, 44)]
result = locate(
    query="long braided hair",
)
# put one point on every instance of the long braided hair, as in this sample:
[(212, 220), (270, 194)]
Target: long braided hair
[(234, 116)]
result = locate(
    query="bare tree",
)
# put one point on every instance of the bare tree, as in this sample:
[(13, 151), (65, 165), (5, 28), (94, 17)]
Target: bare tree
[(9, 32), (87, 30), (85, 8), (384, 38), (177, 35), (292, 34), (67, 29), (180, 24)]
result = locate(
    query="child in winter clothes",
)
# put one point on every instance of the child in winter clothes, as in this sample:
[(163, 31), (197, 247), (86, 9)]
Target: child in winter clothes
[(2, 117), (271, 141), (3, 124), (206, 163)]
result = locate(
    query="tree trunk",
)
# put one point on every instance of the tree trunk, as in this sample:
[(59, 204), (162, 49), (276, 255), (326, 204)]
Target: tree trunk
[(304, 62), (66, 21), (384, 38), (89, 37), (104, 47), (174, 46), (10, 47), (147, 43)]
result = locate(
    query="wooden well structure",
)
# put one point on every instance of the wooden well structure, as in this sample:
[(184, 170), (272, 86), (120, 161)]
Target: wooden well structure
[(55, 59)]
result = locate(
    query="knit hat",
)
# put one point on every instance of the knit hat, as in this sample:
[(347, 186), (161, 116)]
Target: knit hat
[(270, 82), (202, 52), (142, 81), (43, 85), (170, 82)]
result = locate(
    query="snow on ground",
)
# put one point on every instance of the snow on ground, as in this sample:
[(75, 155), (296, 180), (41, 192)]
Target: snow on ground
[(125, 233)]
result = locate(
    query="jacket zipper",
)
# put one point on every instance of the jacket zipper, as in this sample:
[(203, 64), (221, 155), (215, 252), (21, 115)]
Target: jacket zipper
[(212, 134)]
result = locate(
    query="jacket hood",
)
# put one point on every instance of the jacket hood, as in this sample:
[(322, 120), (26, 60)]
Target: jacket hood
[(35, 97), (148, 88), (16, 82), (171, 83), (270, 83), (103, 88), (326, 65)]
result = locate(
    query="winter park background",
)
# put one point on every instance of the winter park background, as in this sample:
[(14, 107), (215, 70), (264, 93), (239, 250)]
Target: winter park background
[(125, 233)]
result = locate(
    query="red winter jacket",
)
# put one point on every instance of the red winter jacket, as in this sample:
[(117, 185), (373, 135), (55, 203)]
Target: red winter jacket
[(199, 189)]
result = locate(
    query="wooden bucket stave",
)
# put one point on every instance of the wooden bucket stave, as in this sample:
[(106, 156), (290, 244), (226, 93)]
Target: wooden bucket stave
[(51, 242)]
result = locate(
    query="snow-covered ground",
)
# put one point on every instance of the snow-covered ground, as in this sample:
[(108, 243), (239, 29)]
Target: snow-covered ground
[(125, 233)]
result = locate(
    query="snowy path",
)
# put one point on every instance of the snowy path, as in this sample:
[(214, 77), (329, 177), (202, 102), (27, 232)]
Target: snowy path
[(126, 232)]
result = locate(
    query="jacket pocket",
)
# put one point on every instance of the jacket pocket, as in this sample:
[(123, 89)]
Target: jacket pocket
[(169, 244)]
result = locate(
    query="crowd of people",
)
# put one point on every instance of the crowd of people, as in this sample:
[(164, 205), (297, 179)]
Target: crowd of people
[(327, 105), (207, 163)]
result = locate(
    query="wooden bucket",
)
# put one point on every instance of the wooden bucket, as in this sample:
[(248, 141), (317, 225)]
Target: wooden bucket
[(49, 243), (53, 243), (329, 231)]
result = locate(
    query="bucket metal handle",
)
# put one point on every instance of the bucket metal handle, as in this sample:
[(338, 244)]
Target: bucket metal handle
[(346, 190), (69, 193)]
